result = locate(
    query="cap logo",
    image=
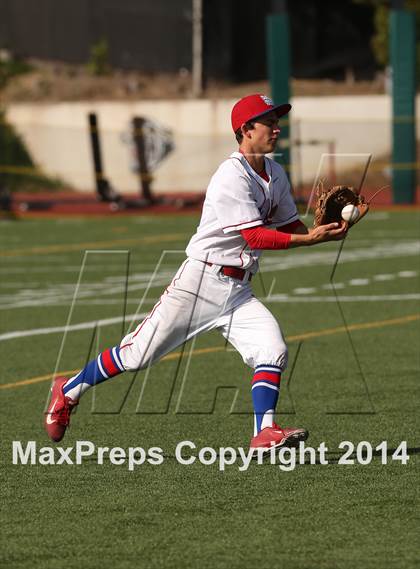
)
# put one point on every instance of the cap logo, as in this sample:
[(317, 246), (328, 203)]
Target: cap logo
[(267, 100)]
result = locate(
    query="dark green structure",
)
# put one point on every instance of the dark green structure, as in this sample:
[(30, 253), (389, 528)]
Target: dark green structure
[(403, 64), (278, 52)]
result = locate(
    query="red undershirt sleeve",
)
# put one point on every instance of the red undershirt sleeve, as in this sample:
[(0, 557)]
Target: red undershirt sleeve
[(291, 227), (263, 238)]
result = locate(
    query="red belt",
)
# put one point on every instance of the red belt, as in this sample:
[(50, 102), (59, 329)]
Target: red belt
[(233, 272)]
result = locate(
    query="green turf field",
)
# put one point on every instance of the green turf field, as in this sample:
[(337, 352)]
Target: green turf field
[(355, 384)]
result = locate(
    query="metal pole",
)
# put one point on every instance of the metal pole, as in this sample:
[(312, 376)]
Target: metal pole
[(103, 187), (331, 160), (278, 52), (144, 174), (298, 164), (96, 154), (197, 48), (403, 62)]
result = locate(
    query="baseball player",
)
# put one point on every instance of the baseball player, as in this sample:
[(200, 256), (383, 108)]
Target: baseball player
[(248, 208)]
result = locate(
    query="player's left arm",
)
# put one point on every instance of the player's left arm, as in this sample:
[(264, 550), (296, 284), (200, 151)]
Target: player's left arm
[(278, 238), (263, 238)]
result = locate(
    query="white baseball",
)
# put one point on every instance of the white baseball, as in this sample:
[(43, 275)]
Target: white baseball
[(350, 213)]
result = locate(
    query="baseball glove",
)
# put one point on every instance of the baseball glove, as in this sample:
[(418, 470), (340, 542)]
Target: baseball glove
[(330, 202)]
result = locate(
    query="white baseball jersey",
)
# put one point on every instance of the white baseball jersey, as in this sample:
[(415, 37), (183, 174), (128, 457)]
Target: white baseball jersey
[(200, 298), (238, 198)]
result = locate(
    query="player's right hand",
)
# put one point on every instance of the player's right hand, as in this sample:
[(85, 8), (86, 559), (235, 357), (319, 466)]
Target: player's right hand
[(330, 232)]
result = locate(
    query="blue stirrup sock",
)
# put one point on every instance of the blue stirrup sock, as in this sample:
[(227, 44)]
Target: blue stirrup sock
[(265, 393), (108, 364)]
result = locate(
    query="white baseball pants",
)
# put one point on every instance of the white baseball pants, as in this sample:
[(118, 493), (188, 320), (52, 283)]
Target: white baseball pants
[(199, 299)]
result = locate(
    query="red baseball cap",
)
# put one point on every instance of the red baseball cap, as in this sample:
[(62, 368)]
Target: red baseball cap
[(252, 107)]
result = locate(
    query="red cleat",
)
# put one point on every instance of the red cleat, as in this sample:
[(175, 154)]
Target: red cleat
[(276, 437), (57, 416)]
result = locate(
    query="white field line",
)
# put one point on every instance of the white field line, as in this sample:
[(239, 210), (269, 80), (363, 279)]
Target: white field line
[(57, 268), (314, 258), (283, 261), (70, 328), (281, 298), (41, 297), (351, 298), (277, 298), (62, 294)]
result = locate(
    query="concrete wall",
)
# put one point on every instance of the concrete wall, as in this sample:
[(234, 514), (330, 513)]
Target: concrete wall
[(57, 137)]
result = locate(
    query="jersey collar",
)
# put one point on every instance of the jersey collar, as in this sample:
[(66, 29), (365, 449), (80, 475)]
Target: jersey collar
[(252, 172)]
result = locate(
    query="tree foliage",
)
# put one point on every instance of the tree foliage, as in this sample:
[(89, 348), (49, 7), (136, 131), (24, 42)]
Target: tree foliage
[(380, 40), (17, 169), (98, 63)]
